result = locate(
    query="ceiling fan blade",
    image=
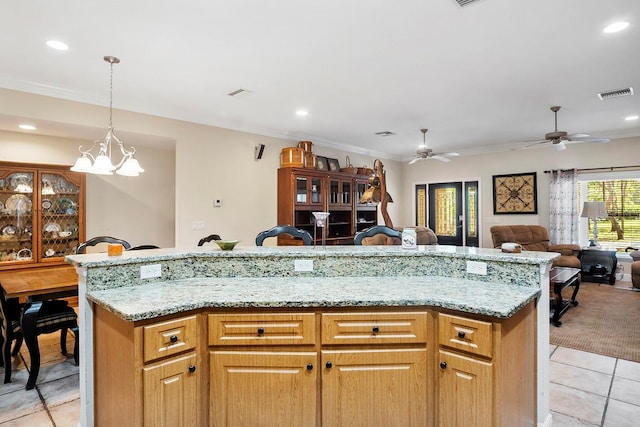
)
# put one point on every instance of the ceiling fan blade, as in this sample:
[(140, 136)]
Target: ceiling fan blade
[(450, 154), (414, 160), (440, 157), (577, 140), (578, 136), (534, 143)]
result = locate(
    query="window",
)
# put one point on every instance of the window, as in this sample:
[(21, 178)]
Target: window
[(622, 200)]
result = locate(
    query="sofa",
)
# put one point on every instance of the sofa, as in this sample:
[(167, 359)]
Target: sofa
[(635, 268), (536, 238), (424, 236)]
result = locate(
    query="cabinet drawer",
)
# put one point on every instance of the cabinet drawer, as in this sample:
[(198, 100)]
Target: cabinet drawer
[(468, 335), (262, 329), (167, 338), (374, 328)]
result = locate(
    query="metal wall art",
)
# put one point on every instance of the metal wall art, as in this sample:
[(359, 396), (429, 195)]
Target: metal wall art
[(515, 194)]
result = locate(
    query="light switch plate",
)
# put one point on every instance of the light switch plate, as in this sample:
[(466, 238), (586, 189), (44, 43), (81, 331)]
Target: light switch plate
[(150, 271), (477, 267), (303, 265)]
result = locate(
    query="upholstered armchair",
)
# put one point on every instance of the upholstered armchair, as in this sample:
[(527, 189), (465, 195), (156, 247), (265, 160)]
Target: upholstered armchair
[(535, 238)]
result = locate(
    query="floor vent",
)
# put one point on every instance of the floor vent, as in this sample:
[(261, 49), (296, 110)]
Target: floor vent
[(463, 3), (615, 93)]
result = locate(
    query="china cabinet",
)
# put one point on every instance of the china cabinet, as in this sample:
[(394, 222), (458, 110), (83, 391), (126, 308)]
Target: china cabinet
[(42, 211), (303, 191)]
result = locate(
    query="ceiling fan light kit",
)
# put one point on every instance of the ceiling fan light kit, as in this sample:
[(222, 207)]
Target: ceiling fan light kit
[(425, 153), (560, 138)]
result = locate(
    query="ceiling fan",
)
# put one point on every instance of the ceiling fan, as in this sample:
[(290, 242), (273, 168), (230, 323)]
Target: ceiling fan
[(559, 138), (425, 153)]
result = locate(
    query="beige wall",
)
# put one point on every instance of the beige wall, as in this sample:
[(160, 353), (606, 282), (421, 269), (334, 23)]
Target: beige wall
[(206, 163), (623, 152)]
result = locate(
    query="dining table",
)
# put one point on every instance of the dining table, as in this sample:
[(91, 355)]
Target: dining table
[(34, 285)]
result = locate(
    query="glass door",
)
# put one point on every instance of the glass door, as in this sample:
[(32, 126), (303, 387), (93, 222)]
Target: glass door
[(17, 240), (445, 212)]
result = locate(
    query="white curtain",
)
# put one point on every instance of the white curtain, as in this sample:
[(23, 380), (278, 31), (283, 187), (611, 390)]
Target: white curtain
[(563, 207)]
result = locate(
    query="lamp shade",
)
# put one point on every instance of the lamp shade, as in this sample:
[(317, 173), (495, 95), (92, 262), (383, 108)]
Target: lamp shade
[(594, 210)]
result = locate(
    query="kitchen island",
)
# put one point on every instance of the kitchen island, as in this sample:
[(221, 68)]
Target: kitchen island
[(275, 331)]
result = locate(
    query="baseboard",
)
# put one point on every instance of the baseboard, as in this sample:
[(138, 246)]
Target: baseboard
[(547, 423)]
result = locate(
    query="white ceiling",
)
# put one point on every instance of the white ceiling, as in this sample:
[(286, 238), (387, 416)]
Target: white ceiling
[(480, 77)]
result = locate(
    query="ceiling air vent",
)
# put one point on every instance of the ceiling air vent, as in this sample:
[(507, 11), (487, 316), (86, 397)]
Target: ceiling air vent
[(615, 93), (239, 92), (463, 3), (385, 133)]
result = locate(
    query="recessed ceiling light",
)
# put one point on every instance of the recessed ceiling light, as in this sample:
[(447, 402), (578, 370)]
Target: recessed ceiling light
[(615, 27), (302, 113), (27, 127), (629, 118), (58, 45)]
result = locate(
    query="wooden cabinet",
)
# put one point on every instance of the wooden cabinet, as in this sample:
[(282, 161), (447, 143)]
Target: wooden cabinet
[(486, 370), (42, 211), (271, 379), (148, 374), (364, 357), (303, 191)]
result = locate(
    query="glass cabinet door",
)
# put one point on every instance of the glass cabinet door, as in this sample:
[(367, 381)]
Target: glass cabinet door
[(59, 215), (16, 216), (339, 192), (308, 190)]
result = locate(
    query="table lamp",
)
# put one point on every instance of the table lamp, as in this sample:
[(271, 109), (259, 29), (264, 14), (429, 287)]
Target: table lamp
[(594, 210)]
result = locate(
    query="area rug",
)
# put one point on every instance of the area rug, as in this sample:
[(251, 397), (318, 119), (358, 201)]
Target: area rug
[(606, 321)]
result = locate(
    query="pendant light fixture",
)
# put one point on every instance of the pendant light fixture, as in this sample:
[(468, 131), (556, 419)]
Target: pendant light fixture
[(102, 163)]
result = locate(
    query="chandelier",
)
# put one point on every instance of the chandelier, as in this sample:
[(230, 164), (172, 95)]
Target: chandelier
[(102, 163)]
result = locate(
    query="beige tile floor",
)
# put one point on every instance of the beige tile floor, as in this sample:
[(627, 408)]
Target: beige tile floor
[(586, 390)]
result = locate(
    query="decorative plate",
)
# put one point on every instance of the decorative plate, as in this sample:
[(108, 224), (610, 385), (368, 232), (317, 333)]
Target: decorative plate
[(50, 227), (18, 203), (46, 204), (64, 204), (8, 230), (22, 182)]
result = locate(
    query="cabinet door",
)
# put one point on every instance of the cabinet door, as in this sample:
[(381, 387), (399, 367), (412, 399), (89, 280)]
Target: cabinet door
[(170, 393), (263, 388), (357, 384), (17, 207), (308, 190), (60, 214), (465, 391)]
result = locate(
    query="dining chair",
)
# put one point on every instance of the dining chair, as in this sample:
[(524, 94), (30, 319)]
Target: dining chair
[(376, 229), (307, 240), (101, 239), (208, 239), (141, 247), (28, 321)]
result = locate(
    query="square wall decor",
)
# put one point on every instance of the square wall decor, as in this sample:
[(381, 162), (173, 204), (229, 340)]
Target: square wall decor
[(515, 194)]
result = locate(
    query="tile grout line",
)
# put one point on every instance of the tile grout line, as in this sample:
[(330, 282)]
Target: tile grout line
[(37, 389), (606, 403)]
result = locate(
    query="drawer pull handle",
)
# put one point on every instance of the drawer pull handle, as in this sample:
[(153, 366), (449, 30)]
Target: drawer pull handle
[(328, 365), (443, 365), (192, 368), (376, 329), (309, 366), (260, 331), (461, 335), (173, 338)]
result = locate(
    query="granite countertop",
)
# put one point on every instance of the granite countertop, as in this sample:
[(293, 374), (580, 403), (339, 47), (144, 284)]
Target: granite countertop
[(157, 299)]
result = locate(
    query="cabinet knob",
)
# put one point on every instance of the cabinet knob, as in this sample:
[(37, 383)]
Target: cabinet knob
[(260, 331), (328, 365), (192, 368), (461, 334), (309, 366), (376, 329), (443, 365), (173, 338)]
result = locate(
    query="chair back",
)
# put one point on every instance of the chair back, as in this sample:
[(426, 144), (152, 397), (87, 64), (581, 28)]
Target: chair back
[(140, 247), (101, 239), (376, 229), (307, 240), (209, 238)]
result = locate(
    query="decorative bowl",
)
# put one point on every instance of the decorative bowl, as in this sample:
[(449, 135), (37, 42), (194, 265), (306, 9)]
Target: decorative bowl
[(227, 245)]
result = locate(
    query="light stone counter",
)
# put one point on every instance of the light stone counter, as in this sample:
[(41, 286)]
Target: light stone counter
[(162, 298)]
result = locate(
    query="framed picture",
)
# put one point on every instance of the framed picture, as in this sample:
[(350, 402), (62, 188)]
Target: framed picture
[(321, 163), (515, 194), (334, 166)]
